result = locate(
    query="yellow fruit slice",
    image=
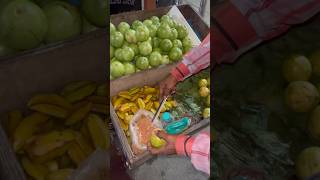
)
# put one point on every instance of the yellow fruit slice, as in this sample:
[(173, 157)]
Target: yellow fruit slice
[(125, 107), (51, 110), (53, 99), (81, 93), (43, 144), (52, 154), (123, 125), (76, 154), (34, 170), (134, 109), (121, 115), (100, 108), (117, 103), (13, 119), (149, 105), (84, 144), (26, 128), (134, 97), (133, 91), (74, 86), (153, 110), (78, 114), (127, 118), (125, 94), (156, 142), (149, 90), (141, 103), (147, 99), (98, 131), (61, 174), (156, 104)]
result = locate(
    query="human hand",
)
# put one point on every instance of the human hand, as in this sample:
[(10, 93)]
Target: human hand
[(167, 86), (168, 148)]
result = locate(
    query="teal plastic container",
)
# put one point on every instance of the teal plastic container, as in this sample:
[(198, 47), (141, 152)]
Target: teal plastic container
[(179, 126)]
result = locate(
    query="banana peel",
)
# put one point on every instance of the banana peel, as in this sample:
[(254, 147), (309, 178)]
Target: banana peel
[(78, 114), (76, 154), (98, 131), (61, 174), (81, 93), (53, 99), (14, 117), (51, 110), (36, 171), (26, 129)]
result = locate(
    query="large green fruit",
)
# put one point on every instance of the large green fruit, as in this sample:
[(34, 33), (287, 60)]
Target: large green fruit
[(123, 27), (301, 96), (315, 62), (314, 124), (164, 31), (182, 31), (112, 28), (175, 54), (129, 68), (64, 21), (87, 26), (142, 63), (117, 69), (116, 39), (308, 163), (128, 54), (96, 11), (166, 45), (155, 59), (142, 33), (23, 25), (297, 68), (136, 24), (130, 36), (145, 48)]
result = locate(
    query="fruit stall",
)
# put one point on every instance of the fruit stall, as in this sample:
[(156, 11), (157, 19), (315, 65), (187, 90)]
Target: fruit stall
[(144, 47), (53, 91), (267, 108)]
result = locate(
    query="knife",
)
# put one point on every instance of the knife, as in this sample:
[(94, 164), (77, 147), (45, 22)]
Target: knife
[(159, 108)]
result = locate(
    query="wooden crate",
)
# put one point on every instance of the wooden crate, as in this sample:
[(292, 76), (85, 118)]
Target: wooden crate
[(149, 77), (46, 69)]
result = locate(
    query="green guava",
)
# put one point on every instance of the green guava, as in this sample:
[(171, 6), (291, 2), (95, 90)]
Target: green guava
[(152, 30), (147, 22), (64, 21), (135, 48), (136, 24), (130, 36), (165, 59), (177, 43), (118, 53), (164, 31), (157, 50), (315, 62), (182, 31), (23, 25), (301, 96), (123, 27), (127, 54), (174, 34), (117, 69), (96, 11), (112, 28), (142, 63), (155, 19), (145, 48), (308, 163), (87, 26), (297, 68), (129, 68), (166, 45), (155, 59), (175, 54), (116, 39), (166, 19), (155, 42), (187, 44), (142, 33)]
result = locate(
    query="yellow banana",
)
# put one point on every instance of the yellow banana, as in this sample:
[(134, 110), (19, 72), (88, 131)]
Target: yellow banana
[(61, 174), (117, 103), (121, 115), (125, 95), (78, 114), (102, 90), (53, 99), (100, 108), (13, 119), (76, 154), (52, 165), (98, 131), (52, 154), (84, 145), (127, 118), (51, 110), (34, 170), (74, 86), (81, 93), (43, 144), (98, 99), (26, 128)]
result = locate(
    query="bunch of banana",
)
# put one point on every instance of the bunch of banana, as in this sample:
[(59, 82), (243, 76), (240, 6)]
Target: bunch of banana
[(127, 103), (61, 130)]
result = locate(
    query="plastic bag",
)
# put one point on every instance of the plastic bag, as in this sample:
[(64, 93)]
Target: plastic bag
[(137, 146)]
